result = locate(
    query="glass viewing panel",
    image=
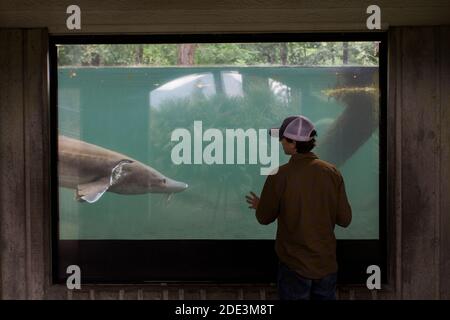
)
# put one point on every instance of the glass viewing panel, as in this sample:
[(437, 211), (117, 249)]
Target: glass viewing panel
[(148, 145)]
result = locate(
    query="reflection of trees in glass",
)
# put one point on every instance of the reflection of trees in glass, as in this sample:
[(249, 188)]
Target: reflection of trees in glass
[(219, 189), (117, 55), (214, 187), (291, 53), (186, 53), (359, 93)]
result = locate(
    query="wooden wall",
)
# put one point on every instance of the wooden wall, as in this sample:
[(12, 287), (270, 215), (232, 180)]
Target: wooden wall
[(419, 177), (419, 93), (444, 165), (192, 16), (24, 179)]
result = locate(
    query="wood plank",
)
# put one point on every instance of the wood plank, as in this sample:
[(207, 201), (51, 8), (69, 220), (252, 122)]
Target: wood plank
[(420, 160), (394, 165), (260, 27), (36, 170), (176, 16), (152, 294), (107, 295), (362, 293), (343, 292), (186, 17), (222, 293), (191, 294), (129, 294), (78, 295), (444, 163), (157, 16), (12, 183), (21, 5), (58, 292)]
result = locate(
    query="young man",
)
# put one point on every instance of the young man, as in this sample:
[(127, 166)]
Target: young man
[(307, 196)]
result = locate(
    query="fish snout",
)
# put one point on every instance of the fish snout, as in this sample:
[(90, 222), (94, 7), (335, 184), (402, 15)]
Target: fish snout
[(175, 186)]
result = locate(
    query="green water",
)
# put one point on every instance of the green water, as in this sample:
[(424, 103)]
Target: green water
[(114, 108)]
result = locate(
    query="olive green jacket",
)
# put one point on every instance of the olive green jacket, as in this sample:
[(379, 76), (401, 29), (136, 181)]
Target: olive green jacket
[(307, 196)]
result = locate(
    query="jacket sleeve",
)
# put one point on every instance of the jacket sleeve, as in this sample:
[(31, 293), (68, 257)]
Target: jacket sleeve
[(344, 213), (269, 203)]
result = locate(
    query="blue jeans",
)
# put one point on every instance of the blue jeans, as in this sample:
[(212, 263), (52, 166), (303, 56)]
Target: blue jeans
[(292, 286)]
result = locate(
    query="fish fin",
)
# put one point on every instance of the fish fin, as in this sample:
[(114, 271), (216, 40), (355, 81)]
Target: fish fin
[(92, 191), (117, 172)]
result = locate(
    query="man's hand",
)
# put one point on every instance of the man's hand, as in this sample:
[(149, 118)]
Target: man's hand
[(252, 200)]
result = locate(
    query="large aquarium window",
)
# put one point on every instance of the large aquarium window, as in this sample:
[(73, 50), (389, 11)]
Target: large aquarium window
[(157, 140)]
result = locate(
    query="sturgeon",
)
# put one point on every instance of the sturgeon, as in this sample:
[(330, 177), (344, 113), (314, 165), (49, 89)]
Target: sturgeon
[(92, 170)]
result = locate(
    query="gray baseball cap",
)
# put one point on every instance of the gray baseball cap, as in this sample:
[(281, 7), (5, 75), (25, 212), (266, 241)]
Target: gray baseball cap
[(297, 128)]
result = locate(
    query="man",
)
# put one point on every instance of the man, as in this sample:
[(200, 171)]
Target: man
[(307, 196)]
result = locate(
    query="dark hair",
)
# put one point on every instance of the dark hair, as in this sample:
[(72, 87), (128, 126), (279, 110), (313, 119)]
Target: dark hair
[(304, 146)]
